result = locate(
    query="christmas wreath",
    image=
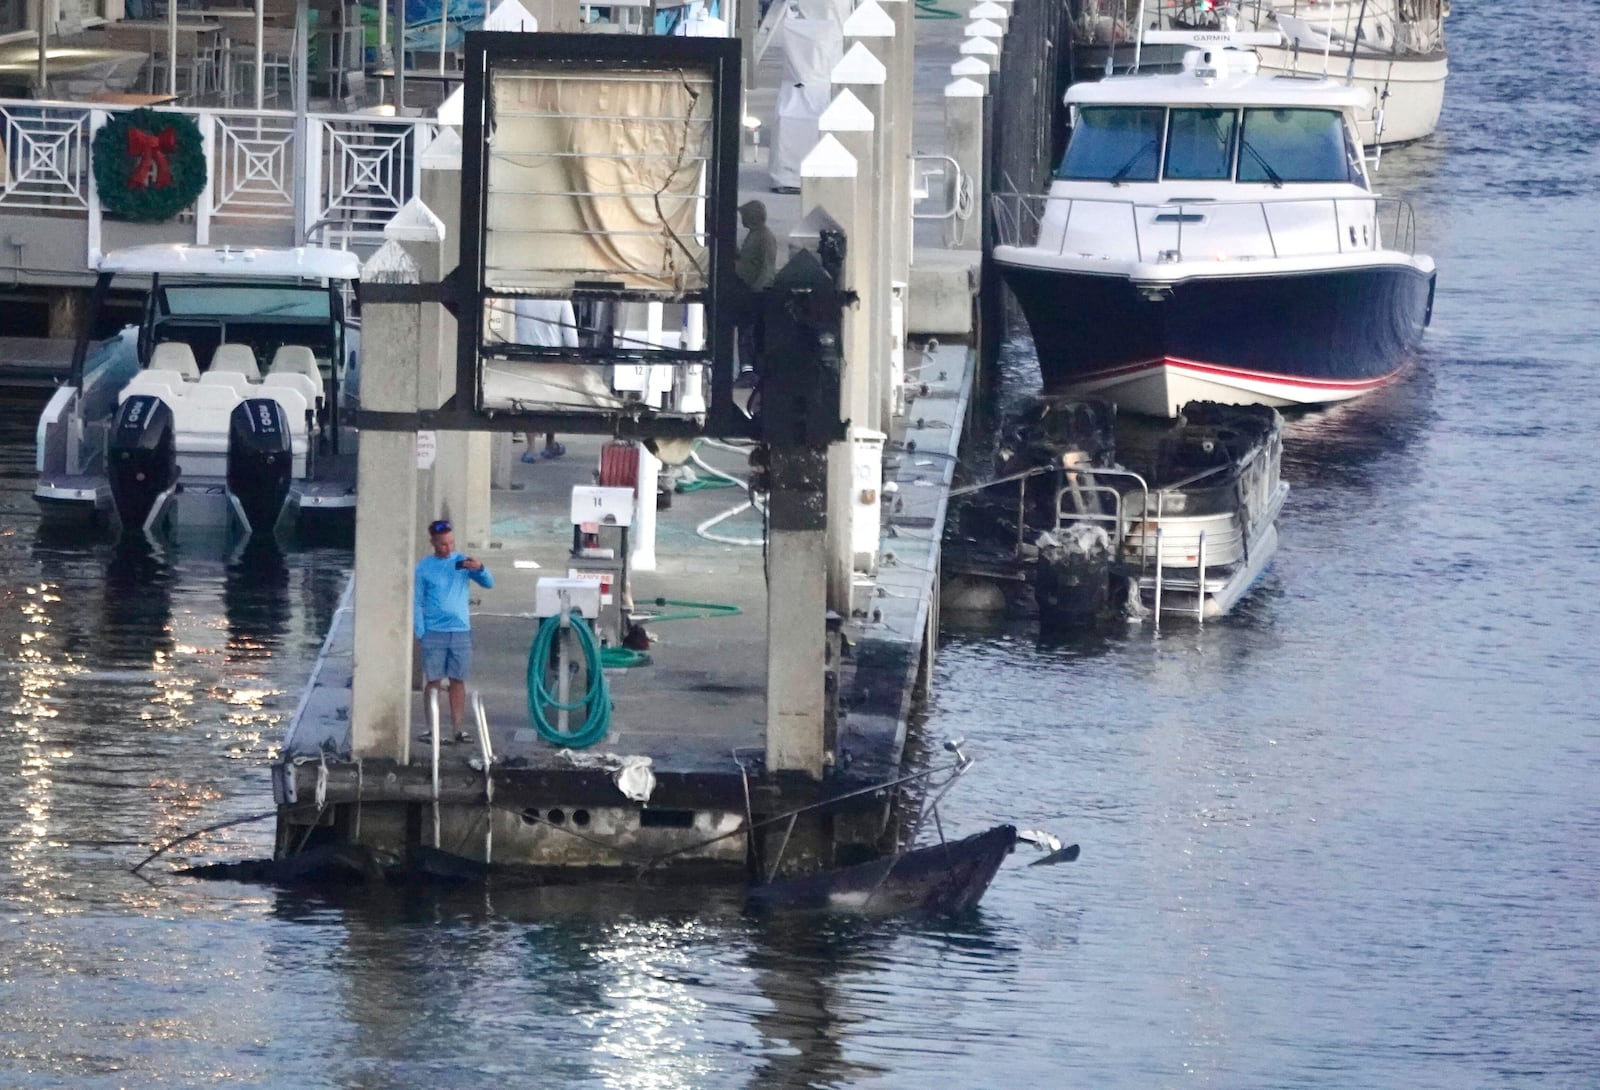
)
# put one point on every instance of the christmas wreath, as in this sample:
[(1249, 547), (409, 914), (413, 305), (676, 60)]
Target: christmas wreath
[(148, 165)]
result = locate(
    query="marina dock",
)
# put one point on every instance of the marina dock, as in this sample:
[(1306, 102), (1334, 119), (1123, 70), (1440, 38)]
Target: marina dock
[(720, 789)]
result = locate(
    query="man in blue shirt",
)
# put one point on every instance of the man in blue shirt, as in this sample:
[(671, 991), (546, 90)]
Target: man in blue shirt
[(441, 620)]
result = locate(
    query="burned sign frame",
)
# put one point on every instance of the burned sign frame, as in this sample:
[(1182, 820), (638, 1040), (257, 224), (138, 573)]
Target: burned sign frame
[(716, 61)]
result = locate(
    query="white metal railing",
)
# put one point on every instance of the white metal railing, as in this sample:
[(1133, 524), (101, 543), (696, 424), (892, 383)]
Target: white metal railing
[(347, 175), (1191, 229), (46, 157)]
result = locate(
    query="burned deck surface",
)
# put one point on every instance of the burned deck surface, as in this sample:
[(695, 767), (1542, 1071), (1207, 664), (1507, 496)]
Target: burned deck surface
[(702, 698)]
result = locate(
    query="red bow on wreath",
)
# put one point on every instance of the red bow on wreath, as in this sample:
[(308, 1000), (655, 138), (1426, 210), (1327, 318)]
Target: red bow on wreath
[(151, 150)]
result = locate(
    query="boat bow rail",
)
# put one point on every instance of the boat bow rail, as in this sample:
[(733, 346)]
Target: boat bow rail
[(1200, 230)]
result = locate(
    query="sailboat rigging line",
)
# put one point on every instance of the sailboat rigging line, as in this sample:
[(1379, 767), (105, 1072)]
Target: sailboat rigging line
[(1355, 46)]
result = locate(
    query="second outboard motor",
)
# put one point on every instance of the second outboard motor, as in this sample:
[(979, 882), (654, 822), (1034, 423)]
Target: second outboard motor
[(141, 460), (260, 462)]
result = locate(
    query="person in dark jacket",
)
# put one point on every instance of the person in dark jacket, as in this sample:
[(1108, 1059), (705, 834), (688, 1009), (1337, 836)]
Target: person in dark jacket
[(755, 267)]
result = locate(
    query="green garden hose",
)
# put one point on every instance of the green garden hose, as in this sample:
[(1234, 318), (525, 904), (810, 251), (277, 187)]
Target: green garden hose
[(690, 611), (596, 697)]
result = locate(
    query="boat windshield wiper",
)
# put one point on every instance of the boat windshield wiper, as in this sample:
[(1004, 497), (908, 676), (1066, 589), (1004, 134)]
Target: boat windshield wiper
[(1126, 168), (1266, 167)]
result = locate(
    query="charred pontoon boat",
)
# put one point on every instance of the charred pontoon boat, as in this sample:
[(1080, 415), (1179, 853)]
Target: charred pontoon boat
[(1186, 532)]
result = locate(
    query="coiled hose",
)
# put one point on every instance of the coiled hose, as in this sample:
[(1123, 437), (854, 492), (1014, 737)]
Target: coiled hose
[(596, 697)]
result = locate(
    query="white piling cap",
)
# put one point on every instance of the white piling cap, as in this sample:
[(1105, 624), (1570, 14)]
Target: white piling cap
[(985, 28), (970, 66), (846, 113), (510, 15), (391, 265), (989, 10), (859, 65), (828, 159), (452, 111), (869, 21), (415, 222), (443, 151), (964, 88), (983, 47)]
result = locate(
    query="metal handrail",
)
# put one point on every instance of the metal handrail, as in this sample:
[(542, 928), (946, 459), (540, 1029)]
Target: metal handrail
[(1122, 534), (1019, 219)]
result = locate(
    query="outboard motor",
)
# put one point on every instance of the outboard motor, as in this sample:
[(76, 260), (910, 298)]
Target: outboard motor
[(260, 462), (141, 460)]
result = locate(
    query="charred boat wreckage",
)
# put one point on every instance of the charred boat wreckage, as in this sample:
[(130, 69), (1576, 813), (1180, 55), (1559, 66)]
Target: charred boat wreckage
[(918, 875), (1179, 523)]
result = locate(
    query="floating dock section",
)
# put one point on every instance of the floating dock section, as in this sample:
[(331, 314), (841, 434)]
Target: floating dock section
[(788, 587)]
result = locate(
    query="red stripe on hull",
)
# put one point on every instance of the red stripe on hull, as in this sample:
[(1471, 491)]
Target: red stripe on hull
[(1177, 363)]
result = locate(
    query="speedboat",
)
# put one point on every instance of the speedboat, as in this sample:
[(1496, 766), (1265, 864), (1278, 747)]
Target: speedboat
[(224, 408), (1212, 235)]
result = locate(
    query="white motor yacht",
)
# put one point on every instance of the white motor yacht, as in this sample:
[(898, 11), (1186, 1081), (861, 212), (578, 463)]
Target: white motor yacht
[(1212, 235)]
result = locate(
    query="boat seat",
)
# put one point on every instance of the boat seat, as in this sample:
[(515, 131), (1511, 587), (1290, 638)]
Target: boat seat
[(200, 419), (167, 385), (293, 380), (235, 381), (237, 358), (175, 356), (296, 359)]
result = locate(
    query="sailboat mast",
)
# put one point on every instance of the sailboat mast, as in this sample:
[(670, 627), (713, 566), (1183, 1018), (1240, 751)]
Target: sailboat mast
[(1138, 41)]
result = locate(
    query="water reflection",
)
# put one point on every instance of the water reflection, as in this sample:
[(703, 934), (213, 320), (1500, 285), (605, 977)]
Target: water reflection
[(136, 609), (1364, 443), (255, 600)]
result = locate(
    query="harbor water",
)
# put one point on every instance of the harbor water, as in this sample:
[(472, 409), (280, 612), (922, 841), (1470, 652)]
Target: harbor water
[(1347, 837)]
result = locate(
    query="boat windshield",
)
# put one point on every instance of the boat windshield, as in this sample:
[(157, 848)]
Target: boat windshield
[(1268, 144), (246, 301), (1200, 144), (1114, 144), (1296, 145)]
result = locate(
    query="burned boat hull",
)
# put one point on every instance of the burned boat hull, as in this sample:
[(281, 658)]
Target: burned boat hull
[(942, 879)]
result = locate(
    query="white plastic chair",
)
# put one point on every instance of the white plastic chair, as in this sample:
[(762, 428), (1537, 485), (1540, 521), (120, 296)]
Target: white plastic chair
[(237, 358), (175, 356)]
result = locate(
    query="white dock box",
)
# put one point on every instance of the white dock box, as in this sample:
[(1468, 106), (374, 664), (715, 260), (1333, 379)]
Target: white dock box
[(602, 506), (580, 594), (866, 480)]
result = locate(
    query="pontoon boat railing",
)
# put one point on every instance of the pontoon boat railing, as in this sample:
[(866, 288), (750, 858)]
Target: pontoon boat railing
[(1203, 230)]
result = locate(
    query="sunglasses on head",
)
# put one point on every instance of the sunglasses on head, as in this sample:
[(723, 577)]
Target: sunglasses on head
[(440, 527)]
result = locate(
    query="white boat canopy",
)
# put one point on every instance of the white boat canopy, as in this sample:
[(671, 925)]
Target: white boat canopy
[(1219, 84), (300, 263)]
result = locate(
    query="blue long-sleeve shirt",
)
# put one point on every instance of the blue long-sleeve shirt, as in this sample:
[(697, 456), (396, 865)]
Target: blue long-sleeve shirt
[(441, 594)]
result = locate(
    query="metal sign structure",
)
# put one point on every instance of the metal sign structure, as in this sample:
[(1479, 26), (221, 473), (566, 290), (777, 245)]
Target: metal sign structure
[(599, 186)]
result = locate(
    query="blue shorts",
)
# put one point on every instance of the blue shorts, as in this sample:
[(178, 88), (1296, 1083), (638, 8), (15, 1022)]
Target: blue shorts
[(446, 655)]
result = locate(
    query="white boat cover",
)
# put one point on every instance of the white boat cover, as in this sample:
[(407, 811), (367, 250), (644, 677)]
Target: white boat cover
[(811, 48)]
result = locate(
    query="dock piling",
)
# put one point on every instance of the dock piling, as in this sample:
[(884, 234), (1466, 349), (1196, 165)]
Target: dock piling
[(386, 520)]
